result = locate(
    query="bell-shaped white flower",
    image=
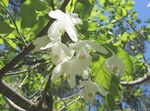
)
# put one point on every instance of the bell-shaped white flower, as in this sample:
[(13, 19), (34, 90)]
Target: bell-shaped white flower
[(75, 65), (40, 42), (58, 52), (89, 44), (59, 69), (79, 63), (114, 65), (64, 22), (90, 89)]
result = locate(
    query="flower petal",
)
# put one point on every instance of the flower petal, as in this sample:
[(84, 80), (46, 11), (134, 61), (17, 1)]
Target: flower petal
[(75, 19), (54, 31), (72, 32), (71, 80), (51, 44), (40, 42), (59, 52), (70, 29), (101, 90), (57, 14), (66, 49), (56, 72), (114, 65), (85, 74), (95, 46)]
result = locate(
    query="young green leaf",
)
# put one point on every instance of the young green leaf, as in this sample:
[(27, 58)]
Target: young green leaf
[(28, 16), (5, 28), (84, 8)]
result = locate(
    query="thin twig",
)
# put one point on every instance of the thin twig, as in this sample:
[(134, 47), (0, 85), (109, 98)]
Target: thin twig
[(69, 103), (16, 73), (69, 97), (13, 21), (24, 71), (46, 95), (145, 78), (7, 91), (133, 28), (13, 106), (29, 48)]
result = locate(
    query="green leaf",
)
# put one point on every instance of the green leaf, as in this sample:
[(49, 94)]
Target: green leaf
[(102, 2), (84, 8), (70, 7), (42, 21), (28, 15), (1, 41), (124, 57), (138, 21), (103, 17), (5, 28), (124, 12), (92, 26), (39, 5), (12, 43), (99, 73), (5, 2), (110, 102), (124, 37), (114, 86)]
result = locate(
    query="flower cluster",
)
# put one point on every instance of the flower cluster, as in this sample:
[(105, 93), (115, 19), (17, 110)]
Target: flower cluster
[(114, 65), (71, 58)]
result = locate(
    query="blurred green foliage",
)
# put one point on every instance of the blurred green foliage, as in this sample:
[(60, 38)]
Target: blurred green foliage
[(112, 23)]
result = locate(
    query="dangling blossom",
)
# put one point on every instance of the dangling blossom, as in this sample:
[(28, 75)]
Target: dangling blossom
[(41, 42), (90, 45), (79, 63), (90, 89), (59, 51), (64, 22), (114, 65), (73, 66)]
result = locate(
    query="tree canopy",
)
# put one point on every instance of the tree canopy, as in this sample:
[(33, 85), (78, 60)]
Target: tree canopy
[(73, 55)]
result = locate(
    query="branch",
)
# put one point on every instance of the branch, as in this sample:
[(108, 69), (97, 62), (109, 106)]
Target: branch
[(6, 90), (136, 82), (29, 48), (13, 62), (24, 71), (133, 28), (61, 109), (16, 73), (16, 97), (47, 96), (13, 21), (13, 106)]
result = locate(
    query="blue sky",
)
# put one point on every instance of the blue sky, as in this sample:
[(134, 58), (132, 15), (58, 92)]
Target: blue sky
[(143, 14), (142, 9)]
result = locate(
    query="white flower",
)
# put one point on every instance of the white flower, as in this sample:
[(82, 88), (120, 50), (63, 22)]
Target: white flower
[(90, 89), (114, 65), (64, 22), (73, 66), (59, 51), (90, 45), (79, 63), (40, 42)]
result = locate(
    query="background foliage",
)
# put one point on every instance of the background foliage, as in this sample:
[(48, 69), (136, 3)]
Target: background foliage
[(112, 23)]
